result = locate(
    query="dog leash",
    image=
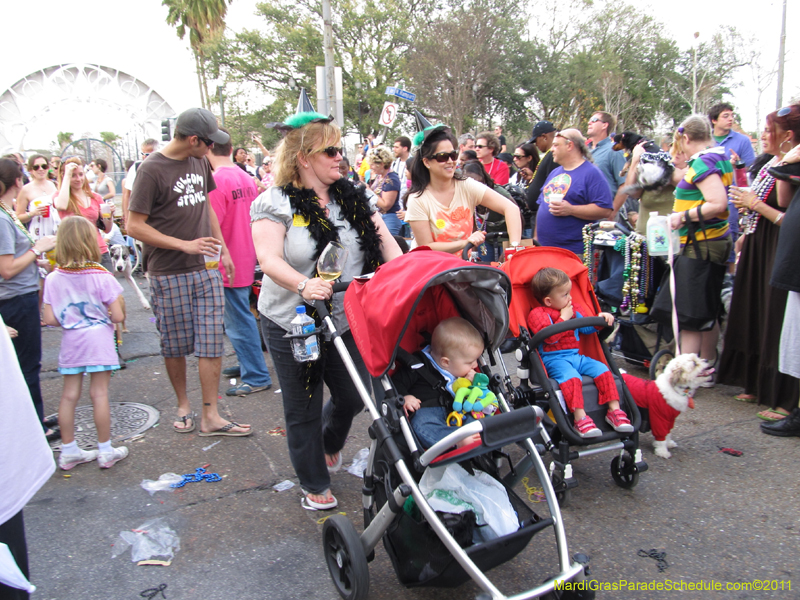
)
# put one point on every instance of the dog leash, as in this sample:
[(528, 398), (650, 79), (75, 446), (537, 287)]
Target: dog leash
[(675, 332)]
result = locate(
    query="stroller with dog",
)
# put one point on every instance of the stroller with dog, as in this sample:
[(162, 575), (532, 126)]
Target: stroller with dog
[(625, 278), (391, 314), (538, 389)]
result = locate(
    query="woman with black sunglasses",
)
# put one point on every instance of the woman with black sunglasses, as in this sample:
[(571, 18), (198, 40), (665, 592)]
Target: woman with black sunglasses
[(309, 206), (34, 202), (441, 204), (526, 159)]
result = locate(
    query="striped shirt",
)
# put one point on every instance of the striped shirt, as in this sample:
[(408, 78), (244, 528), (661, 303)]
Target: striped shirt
[(713, 161)]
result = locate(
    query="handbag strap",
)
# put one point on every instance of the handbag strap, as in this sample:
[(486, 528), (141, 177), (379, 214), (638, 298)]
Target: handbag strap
[(691, 237)]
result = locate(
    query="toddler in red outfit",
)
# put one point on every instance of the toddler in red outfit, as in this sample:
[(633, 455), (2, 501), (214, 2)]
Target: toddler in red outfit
[(552, 288)]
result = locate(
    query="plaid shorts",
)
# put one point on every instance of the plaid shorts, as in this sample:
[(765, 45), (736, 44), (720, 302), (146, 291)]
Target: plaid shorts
[(189, 310)]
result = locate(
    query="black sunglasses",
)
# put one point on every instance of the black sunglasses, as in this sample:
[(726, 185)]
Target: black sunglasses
[(520, 156), (481, 147), (39, 166), (784, 111), (206, 141), (442, 157), (332, 151)]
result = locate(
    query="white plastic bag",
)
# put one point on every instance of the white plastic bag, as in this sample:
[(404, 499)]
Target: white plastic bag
[(359, 463), (153, 539), (10, 574), (451, 489), (162, 484)]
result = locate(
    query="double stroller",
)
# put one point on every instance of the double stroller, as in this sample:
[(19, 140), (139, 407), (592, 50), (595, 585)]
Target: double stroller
[(392, 314), (626, 278), (537, 389)]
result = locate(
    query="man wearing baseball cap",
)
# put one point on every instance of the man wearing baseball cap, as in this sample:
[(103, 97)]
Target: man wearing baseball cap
[(170, 214), (543, 134)]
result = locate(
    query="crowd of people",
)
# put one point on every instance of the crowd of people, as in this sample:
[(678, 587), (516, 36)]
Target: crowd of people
[(197, 203)]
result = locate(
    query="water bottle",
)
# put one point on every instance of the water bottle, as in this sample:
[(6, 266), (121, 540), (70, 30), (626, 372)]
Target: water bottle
[(659, 236), (740, 174), (304, 349)]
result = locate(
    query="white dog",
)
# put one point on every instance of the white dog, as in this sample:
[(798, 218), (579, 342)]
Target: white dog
[(121, 263), (668, 396)]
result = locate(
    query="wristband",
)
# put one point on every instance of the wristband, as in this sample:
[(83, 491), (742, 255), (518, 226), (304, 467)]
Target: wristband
[(778, 218)]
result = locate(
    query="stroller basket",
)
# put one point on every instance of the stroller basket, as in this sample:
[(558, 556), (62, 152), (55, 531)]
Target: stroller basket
[(421, 559)]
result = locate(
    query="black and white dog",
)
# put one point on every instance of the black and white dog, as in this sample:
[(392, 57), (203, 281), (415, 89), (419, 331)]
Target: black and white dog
[(121, 263), (655, 167)]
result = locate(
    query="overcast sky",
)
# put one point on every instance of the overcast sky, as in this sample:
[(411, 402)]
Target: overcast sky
[(134, 38)]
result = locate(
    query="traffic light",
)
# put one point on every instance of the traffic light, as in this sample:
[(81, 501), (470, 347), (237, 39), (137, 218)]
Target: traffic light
[(166, 134)]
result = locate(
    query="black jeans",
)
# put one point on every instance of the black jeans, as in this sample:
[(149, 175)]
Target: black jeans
[(22, 313), (313, 430)]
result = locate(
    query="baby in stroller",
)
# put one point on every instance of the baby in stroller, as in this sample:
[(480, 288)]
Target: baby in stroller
[(560, 355), (428, 391)]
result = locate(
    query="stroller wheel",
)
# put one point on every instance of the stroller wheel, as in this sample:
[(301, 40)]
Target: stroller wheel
[(345, 557), (659, 362), (624, 471), (563, 493)]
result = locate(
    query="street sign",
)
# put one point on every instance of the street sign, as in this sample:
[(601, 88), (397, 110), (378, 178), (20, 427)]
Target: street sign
[(406, 95), (388, 114), (399, 93)]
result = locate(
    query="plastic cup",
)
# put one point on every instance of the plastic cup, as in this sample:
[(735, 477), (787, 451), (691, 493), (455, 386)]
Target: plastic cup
[(212, 262), (555, 200), (42, 204), (106, 210)]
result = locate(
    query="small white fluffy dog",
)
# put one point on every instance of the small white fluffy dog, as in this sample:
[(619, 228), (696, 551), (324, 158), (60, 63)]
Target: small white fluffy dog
[(669, 395)]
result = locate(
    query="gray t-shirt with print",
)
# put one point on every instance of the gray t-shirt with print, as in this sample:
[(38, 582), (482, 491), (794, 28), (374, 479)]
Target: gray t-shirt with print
[(277, 303)]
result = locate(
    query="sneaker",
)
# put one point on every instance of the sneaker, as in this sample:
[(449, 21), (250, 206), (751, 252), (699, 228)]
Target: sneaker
[(619, 421), (234, 371), (586, 428), (70, 461), (106, 460), (243, 389)]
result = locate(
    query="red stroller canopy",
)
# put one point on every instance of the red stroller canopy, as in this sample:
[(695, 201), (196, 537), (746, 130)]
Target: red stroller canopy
[(521, 268), (413, 293)]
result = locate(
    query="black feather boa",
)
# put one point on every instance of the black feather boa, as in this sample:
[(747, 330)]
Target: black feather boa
[(355, 208)]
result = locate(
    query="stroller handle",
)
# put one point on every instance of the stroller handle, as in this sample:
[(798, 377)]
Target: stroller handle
[(494, 236), (322, 310), (557, 328)]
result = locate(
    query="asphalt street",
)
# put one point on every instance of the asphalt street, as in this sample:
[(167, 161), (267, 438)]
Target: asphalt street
[(719, 518)]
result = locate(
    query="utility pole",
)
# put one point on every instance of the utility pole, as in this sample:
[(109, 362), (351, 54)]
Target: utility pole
[(781, 53), (221, 105), (694, 72), (327, 46)]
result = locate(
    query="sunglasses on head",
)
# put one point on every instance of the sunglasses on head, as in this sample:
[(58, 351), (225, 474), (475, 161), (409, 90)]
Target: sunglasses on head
[(332, 151), (443, 157), (206, 141), (37, 167)]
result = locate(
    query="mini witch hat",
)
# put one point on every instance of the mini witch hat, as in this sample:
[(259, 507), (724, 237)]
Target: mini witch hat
[(304, 103), (424, 128), (304, 114)]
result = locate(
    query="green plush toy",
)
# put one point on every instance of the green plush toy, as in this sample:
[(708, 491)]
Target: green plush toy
[(476, 398)]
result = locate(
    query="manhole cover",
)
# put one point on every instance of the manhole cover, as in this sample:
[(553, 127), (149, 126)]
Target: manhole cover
[(127, 420)]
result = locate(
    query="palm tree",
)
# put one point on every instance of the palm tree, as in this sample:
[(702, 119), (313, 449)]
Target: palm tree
[(205, 20), (63, 139)]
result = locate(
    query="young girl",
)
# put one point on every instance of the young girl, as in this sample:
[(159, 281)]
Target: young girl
[(79, 296)]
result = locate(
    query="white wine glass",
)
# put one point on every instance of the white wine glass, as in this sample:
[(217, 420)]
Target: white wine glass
[(331, 262)]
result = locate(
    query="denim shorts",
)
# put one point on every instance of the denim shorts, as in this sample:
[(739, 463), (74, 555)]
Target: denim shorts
[(189, 309)]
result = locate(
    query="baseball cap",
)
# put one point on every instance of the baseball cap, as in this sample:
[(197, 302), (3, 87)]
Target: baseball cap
[(202, 123), (541, 128)]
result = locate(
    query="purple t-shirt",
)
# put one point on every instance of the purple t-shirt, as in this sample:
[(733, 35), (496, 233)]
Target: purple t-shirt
[(582, 185), (80, 301)]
